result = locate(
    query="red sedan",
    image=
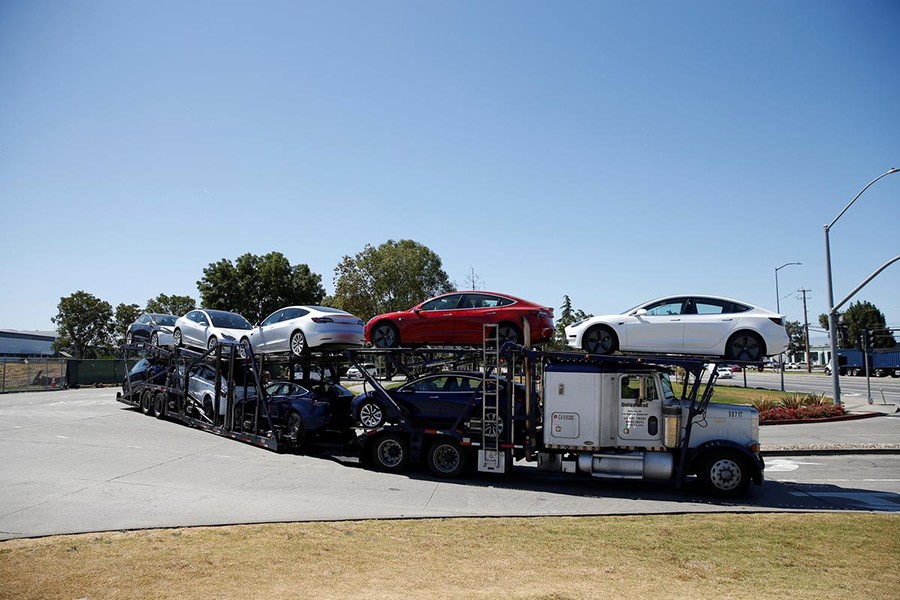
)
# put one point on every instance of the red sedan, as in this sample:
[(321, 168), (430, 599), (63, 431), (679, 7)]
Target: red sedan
[(457, 319)]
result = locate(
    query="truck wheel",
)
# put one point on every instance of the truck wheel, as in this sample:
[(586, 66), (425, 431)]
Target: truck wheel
[(146, 402), (177, 341), (371, 414), (159, 405), (390, 453), (447, 459), (600, 339), (724, 475)]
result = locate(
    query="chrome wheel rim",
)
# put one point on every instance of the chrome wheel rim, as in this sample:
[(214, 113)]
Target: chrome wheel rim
[(298, 344), (725, 474), (370, 415)]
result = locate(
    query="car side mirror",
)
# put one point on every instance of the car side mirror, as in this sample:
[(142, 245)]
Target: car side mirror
[(640, 312), (417, 310)]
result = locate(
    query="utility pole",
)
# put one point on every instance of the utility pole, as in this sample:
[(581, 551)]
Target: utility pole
[(806, 329)]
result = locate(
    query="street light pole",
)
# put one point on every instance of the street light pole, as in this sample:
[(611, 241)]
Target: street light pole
[(832, 321), (778, 310)]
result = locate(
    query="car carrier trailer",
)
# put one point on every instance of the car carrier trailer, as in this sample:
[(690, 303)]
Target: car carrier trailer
[(605, 416)]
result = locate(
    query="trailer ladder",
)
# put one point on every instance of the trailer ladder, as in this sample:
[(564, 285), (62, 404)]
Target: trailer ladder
[(490, 456)]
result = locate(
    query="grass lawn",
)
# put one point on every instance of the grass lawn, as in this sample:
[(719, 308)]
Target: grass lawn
[(755, 556), (732, 394)]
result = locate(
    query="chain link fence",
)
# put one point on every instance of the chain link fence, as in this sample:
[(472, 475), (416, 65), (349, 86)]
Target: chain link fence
[(25, 374)]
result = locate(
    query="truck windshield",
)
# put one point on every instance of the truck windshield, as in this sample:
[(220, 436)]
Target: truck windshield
[(668, 393)]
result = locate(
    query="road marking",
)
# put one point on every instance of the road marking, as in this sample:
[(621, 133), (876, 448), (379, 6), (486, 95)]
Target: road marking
[(781, 465), (877, 500)]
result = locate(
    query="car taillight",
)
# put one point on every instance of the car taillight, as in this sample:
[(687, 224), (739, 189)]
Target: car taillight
[(777, 320), (323, 320), (547, 312)]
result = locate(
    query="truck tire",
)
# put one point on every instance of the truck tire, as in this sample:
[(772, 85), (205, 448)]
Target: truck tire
[(724, 474), (390, 453), (447, 459), (146, 402), (159, 405)]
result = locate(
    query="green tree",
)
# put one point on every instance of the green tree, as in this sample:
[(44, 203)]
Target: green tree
[(567, 316), (125, 315), (255, 286), (171, 305), (861, 316), (84, 323), (796, 337), (393, 276)]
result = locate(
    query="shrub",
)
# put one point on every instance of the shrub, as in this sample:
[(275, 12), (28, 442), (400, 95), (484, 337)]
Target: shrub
[(782, 413)]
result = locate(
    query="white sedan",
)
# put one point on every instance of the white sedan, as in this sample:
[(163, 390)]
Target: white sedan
[(701, 325), (298, 329), (204, 328)]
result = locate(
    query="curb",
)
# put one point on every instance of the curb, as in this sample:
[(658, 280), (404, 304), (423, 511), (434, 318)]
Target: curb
[(847, 417), (827, 451)]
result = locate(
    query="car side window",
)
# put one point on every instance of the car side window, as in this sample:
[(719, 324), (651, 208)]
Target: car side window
[(273, 318), (665, 308), (431, 384), (484, 301), (293, 313), (710, 306), (469, 384), (443, 303)]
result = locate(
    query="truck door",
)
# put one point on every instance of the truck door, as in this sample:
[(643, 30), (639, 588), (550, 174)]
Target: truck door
[(640, 410)]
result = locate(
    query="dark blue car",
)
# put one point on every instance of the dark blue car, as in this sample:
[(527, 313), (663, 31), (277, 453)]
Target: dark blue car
[(303, 408), (438, 400)]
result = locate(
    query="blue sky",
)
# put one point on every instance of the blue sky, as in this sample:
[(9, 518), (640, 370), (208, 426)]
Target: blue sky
[(611, 151)]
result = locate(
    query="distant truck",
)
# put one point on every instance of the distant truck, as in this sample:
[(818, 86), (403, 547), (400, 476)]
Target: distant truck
[(882, 362)]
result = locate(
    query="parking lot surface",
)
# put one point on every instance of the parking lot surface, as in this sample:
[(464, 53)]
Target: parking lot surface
[(78, 461)]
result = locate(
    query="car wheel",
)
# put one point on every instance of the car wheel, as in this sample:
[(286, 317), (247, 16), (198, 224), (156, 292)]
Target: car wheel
[(129, 339), (293, 429), (176, 339), (385, 335), (446, 458), (154, 339), (147, 402), (600, 339), (390, 453), (244, 349), (724, 475), (745, 345), (212, 342), (208, 408), (507, 332), (159, 405), (371, 414), (298, 344), (493, 426)]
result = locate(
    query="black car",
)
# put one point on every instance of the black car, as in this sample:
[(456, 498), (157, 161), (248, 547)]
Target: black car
[(146, 370), (302, 408), (439, 400), (154, 328)]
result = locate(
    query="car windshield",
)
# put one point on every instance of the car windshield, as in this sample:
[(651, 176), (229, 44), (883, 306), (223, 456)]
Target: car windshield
[(165, 319), (229, 320)]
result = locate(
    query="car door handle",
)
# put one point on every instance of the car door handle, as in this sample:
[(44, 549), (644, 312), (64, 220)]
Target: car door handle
[(494, 312), (727, 319), (674, 320)]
